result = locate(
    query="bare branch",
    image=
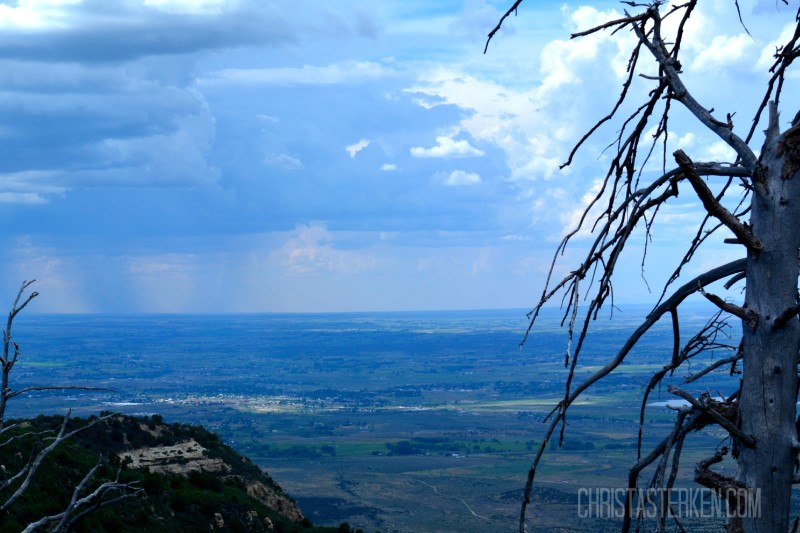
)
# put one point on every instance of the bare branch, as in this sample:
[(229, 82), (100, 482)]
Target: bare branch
[(670, 66), (30, 469), (732, 490), (92, 501), (7, 361), (685, 422), (12, 394), (705, 405), (672, 302), (713, 366), (618, 23), (512, 9), (728, 307), (33, 466), (21, 436), (614, 214), (75, 493), (784, 57), (786, 316), (713, 207), (735, 279), (26, 473), (741, 21)]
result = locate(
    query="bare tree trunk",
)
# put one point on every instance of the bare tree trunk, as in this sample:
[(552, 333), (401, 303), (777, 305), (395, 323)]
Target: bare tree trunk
[(760, 416), (771, 334)]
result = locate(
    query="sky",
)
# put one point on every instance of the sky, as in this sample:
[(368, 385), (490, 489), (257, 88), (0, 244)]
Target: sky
[(222, 156)]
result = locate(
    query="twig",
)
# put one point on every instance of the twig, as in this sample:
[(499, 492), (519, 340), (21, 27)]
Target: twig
[(512, 9), (730, 427), (712, 206), (673, 301)]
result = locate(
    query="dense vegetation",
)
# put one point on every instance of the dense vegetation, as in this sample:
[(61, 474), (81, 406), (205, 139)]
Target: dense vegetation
[(194, 501)]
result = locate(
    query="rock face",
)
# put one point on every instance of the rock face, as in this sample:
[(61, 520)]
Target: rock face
[(180, 458), (189, 456), (280, 502)]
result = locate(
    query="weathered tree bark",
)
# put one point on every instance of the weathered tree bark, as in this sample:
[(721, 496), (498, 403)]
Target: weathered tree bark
[(769, 385)]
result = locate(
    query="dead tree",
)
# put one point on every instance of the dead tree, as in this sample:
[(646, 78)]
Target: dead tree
[(760, 416), (18, 482)]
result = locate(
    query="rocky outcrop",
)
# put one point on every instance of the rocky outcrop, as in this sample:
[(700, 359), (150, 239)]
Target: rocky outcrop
[(280, 502), (187, 479), (180, 458), (189, 456)]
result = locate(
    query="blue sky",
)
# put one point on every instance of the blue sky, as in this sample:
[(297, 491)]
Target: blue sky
[(257, 155)]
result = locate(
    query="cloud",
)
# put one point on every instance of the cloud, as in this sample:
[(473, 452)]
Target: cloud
[(724, 51), (512, 120), (446, 146), (284, 161), (312, 250), (133, 29), (353, 149), (30, 198), (461, 177), (347, 72), (188, 6), (184, 102), (767, 55), (717, 151), (170, 158), (477, 16), (29, 187), (70, 124), (535, 124), (70, 30)]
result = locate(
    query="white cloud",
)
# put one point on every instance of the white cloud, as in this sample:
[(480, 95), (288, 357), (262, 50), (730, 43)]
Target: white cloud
[(30, 198), (311, 250), (284, 161), (483, 263), (30, 187), (446, 146), (687, 140), (724, 51), (572, 218), (461, 177), (34, 15), (333, 74), (117, 114), (510, 119), (767, 55), (353, 149), (131, 29), (188, 6), (717, 151)]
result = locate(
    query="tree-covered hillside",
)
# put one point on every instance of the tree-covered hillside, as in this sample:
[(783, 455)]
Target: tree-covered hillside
[(188, 479)]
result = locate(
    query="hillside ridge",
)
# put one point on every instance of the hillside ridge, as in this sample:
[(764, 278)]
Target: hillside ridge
[(190, 479)]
